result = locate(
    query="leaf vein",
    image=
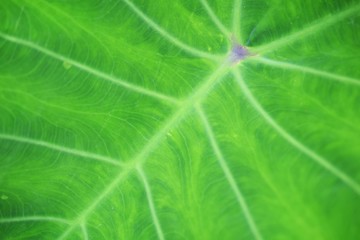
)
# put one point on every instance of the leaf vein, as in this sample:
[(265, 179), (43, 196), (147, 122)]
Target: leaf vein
[(311, 29), (236, 20), (34, 218), (168, 36), (88, 69), (215, 19), (152, 144), (229, 176), (84, 231), (149, 198), (305, 69), (60, 148), (287, 136)]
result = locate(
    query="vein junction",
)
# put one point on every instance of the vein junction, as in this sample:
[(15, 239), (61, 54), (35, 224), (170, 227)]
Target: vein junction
[(136, 163)]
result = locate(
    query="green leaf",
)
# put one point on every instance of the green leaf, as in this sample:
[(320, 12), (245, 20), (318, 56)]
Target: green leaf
[(179, 119)]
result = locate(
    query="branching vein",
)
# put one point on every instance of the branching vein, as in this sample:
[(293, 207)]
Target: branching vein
[(168, 36), (152, 144), (229, 177), (83, 216), (215, 19), (309, 30), (88, 69), (236, 20), (34, 218), (287, 136), (151, 203), (84, 231), (291, 66), (59, 148)]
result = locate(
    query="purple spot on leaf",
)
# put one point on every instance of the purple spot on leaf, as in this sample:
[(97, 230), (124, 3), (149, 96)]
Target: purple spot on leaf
[(238, 53)]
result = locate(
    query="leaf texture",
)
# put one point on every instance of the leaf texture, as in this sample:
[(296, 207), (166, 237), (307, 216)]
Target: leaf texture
[(135, 119)]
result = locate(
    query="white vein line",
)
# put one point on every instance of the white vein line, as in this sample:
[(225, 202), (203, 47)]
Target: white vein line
[(168, 36), (84, 231), (215, 19), (121, 176), (19, 18), (236, 20), (229, 177), (287, 136), (291, 66), (151, 203), (152, 144), (308, 30), (34, 218), (61, 149), (88, 69)]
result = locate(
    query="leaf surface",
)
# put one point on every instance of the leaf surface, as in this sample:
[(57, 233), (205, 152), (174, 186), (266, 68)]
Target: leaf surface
[(138, 119)]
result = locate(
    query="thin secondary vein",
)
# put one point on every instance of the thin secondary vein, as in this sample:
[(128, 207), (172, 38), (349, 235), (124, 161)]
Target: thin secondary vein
[(151, 203), (308, 30), (305, 69), (82, 217), (60, 148), (236, 20), (168, 36), (88, 69), (215, 19), (50, 14), (34, 218), (229, 177), (84, 231), (152, 144), (287, 136)]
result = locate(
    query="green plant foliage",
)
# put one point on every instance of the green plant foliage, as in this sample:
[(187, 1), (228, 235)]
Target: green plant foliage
[(135, 119)]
